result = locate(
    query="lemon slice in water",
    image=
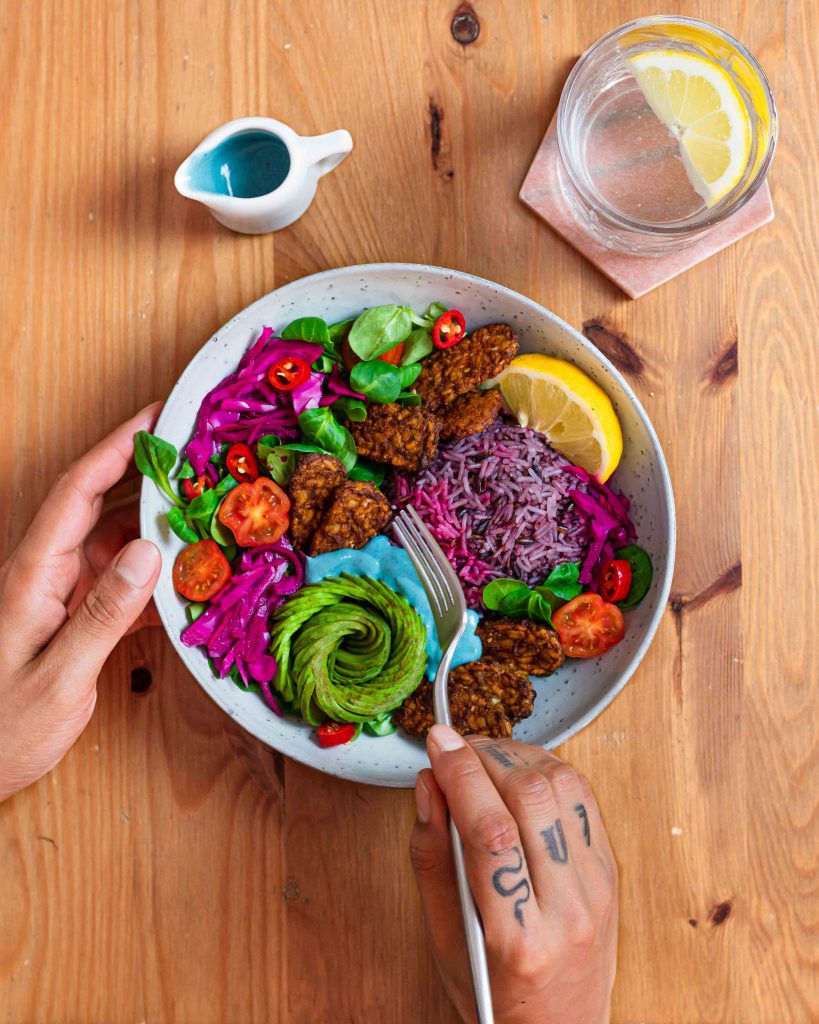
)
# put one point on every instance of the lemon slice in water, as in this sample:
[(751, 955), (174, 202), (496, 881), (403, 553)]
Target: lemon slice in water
[(699, 102), (563, 403)]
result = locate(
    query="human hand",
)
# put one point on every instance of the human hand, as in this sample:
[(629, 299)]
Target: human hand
[(68, 594), (541, 870)]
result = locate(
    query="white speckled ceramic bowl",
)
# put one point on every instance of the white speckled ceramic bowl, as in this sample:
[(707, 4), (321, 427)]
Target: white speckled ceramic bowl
[(566, 701)]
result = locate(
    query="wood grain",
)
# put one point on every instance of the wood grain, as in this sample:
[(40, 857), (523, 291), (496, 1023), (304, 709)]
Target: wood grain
[(174, 871)]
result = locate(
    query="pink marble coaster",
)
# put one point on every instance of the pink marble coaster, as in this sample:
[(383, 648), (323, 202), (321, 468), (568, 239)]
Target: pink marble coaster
[(636, 275)]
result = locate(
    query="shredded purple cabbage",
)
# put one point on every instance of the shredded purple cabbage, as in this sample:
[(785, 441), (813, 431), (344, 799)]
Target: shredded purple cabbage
[(308, 396), (609, 523), (338, 386), (233, 629), (244, 406)]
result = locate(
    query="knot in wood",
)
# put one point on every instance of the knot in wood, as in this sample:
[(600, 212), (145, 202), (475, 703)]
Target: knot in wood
[(465, 27)]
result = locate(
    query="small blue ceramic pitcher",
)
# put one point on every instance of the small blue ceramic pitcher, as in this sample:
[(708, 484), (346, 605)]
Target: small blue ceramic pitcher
[(257, 175)]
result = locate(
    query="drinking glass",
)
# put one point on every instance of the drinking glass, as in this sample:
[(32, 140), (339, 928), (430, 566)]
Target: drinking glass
[(622, 170)]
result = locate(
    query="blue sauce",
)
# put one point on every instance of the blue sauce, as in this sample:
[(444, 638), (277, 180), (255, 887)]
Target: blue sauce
[(245, 165), (381, 560)]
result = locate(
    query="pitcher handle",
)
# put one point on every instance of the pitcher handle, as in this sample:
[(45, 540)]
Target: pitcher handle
[(324, 152)]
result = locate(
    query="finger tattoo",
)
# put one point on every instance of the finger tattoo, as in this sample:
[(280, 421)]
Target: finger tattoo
[(521, 885), (500, 756), (584, 817), (556, 843)]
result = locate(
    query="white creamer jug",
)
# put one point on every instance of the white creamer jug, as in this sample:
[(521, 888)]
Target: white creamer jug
[(256, 174)]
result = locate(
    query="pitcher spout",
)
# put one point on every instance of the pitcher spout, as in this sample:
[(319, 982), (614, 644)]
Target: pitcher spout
[(182, 180)]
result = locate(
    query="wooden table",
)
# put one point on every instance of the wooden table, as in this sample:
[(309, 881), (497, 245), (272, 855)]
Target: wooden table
[(172, 869)]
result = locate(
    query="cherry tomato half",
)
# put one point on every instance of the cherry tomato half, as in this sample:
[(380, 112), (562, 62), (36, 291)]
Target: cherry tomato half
[(193, 486), (615, 580), (241, 463), (333, 734), (200, 571), (449, 329), (393, 356), (288, 373), (256, 513), (588, 626), (350, 359)]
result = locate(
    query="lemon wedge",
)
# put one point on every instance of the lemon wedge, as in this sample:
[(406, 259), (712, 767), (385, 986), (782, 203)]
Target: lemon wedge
[(699, 102), (563, 403)]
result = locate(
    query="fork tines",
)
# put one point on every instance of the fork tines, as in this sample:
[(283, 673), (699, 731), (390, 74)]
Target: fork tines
[(415, 539)]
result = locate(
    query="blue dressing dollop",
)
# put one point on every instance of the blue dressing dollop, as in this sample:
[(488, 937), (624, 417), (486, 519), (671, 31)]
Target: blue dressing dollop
[(381, 560)]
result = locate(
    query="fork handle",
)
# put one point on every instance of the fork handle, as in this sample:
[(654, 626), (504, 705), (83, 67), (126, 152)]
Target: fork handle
[(473, 928)]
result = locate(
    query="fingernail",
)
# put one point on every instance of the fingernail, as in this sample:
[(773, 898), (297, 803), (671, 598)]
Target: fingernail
[(444, 738), (423, 800), (152, 407), (137, 563)]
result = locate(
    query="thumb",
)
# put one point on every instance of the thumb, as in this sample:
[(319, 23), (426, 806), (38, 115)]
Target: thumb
[(107, 612), (431, 857)]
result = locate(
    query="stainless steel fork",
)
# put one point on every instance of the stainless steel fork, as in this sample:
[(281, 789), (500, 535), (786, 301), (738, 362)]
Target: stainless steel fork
[(446, 597)]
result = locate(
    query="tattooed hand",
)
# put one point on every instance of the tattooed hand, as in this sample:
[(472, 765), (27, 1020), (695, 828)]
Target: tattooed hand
[(542, 872)]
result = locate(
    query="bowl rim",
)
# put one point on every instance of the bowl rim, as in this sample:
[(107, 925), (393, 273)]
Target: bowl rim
[(354, 775)]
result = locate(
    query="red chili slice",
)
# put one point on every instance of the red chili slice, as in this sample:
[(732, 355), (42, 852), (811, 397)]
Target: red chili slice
[(241, 463), (615, 580), (193, 486), (333, 734), (288, 373), (449, 329)]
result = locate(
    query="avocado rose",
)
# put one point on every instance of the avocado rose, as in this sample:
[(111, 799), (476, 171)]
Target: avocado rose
[(348, 648)]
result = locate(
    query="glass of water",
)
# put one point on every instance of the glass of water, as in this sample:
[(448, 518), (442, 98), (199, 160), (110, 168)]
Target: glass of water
[(666, 127)]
